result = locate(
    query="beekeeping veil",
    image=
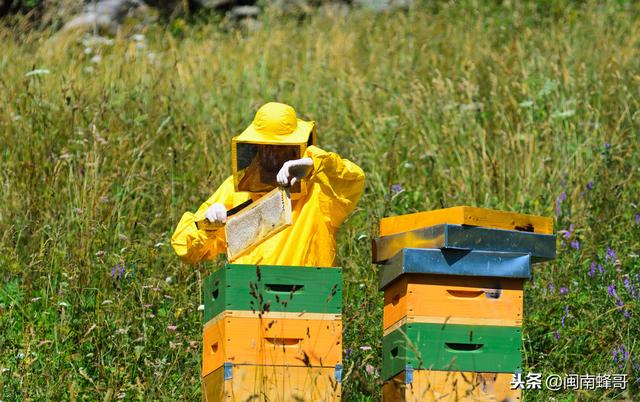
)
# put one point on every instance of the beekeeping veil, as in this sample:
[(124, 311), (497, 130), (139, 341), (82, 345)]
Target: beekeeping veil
[(275, 136)]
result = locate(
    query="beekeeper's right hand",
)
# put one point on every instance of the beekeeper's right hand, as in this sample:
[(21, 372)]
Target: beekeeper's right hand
[(216, 213)]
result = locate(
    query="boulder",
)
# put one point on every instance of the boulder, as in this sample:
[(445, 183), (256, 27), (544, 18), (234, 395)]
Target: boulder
[(102, 15)]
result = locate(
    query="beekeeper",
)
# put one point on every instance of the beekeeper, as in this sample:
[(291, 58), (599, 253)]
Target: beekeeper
[(278, 149)]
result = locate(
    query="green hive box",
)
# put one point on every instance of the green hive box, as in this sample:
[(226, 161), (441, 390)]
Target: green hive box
[(452, 347), (273, 288)]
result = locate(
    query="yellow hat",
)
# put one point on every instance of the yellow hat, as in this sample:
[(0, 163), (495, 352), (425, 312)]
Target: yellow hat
[(277, 123)]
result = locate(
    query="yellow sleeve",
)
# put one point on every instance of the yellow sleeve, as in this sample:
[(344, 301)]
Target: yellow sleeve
[(193, 245), (341, 182)]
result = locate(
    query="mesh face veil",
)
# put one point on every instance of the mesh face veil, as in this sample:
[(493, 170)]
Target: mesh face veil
[(275, 136)]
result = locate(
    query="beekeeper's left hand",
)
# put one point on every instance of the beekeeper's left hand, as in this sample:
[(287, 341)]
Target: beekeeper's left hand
[(293, 171)]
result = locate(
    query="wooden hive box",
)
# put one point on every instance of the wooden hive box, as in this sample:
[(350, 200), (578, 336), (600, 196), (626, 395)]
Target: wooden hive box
[(451, 347), (241, 383), (272, 288), (273, 338), (448, 299), (431, 386)]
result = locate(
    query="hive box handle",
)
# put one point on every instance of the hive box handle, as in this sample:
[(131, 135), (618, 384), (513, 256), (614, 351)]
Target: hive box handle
[(279, 288), (283, 341), (465, 294), (464, 347)]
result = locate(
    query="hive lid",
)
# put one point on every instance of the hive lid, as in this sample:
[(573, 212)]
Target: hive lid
[(464, 215), (455, 262), (542, 247)]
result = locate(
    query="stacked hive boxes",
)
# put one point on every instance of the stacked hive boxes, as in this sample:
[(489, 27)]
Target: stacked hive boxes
[(453, 301), (272, 333)]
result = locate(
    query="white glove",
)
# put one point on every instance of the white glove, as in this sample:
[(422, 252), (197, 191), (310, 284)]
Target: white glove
[(293, 171), (216, 213)]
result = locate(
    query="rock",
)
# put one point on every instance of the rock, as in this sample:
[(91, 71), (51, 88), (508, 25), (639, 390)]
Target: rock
[(240, 12), (212, 4), (103, 15), (384, 5)]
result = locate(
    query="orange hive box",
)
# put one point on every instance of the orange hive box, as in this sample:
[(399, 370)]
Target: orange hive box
[(464, 215), (294, 340), (271, 383), (453, 299), (428, 385)]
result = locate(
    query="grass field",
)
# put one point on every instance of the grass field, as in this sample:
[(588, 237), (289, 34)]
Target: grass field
[(104, 145)]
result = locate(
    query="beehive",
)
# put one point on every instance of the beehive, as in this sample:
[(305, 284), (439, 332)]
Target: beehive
[(453, 282), (242, 383)]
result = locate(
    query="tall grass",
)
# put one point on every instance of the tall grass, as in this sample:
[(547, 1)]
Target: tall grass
[(105, 145)]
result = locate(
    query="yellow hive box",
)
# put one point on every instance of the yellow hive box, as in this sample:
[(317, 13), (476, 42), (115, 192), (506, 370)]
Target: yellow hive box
[(428, 385), (468, 300), (287, 339), (272, 383), (464, 215)]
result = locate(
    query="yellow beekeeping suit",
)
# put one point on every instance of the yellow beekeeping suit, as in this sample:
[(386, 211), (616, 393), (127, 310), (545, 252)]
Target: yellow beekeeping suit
[(329, 194)]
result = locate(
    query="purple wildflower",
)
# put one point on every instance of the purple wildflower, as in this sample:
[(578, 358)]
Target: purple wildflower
[(637, 219), (551, 288), (396, 188), (620, 355), (610, 255), (117, 271), (627, 283), (611, 289), (590, 185), (607, 145), (568, 233), (557, 335), (592, 269), (627, 314), (600, 268), (575, 244), (564, 290), (565, 315)]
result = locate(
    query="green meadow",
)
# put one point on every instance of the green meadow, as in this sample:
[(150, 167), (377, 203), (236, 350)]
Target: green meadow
[(105, 143)]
